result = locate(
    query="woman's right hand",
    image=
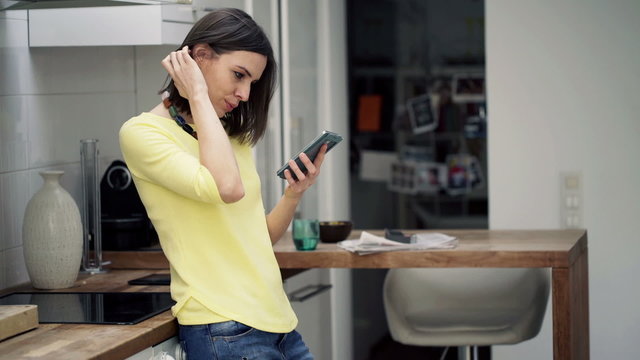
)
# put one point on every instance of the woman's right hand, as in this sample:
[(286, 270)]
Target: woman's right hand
[(186, 73)]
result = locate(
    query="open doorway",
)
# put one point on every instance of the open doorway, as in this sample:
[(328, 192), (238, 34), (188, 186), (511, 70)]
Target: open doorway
[(418, 129)]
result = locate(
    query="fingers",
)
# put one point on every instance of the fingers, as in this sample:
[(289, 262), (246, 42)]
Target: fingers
[(179, 59), (170, 63), (304, 181), (182, 56), (320, 158), (289, 177), (312, 170), (174, 64), (185, 72), (166, 64), (296, 170), (314, 167), (176, 60)]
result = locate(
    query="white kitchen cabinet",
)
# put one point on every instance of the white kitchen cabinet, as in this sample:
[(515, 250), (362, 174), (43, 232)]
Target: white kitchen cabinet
[(110, 25), (170, 347), (146, 354), (314, 320), (203, 7), (166, 350), (149, 24)]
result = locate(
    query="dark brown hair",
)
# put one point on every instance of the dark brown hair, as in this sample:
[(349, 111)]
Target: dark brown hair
[(226, 30)]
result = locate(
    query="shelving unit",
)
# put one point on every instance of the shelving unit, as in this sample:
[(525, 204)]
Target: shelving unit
[(465, 207), (433, 208)]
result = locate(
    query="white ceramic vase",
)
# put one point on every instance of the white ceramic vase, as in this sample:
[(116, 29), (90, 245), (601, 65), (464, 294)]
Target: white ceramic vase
[(52, 235)]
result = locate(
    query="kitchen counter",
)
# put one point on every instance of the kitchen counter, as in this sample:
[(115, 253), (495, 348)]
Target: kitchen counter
[(88, 341), (565, 252)]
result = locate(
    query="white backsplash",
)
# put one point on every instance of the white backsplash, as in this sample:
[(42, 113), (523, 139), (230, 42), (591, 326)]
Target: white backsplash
[(58, 122), (14, 140), (50, 99)]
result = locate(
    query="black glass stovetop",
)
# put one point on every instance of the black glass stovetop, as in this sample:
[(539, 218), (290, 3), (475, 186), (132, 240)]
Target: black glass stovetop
[(124, 308)]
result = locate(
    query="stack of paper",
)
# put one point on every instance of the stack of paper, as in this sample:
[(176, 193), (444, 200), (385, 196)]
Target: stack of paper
[(369, 243)]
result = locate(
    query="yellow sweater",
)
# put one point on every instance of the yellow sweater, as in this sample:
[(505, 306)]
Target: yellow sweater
[(222, 261)]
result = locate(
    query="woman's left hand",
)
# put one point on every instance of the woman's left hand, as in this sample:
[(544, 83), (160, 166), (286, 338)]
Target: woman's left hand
[(295, 189)]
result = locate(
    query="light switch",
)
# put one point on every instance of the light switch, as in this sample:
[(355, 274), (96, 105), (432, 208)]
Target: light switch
[(572, 181), (575, 202), (571, 200), (568, 202)]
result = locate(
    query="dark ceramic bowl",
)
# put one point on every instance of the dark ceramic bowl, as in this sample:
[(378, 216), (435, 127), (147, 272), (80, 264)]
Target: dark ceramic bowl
[(334, 231)]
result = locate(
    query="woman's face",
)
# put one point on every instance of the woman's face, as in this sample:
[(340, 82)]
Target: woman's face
[(229, 77)]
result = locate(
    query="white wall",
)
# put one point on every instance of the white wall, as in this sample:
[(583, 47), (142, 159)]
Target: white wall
[(50, 98), (563, 87)]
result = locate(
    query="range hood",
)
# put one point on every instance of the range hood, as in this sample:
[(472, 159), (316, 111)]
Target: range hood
[(58, 4)]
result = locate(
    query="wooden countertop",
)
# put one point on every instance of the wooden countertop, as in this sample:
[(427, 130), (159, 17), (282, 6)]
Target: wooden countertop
[(88, 341), (476, 248)]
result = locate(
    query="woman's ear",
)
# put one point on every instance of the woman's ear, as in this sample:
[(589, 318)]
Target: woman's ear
[(201, 52)]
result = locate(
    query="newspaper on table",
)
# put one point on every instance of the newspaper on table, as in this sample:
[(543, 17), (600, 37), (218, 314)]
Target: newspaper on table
[(369, 243)]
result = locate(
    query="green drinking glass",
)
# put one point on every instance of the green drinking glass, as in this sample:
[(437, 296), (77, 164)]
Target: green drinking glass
[(306, 233)]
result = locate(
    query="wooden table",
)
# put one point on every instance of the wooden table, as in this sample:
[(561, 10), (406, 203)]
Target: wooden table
[(564, 251)]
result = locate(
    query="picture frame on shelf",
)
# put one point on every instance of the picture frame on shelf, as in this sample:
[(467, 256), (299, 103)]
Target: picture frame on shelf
[(475, 126), (464, 174), (421, 113), (412, 177), (468, 87)]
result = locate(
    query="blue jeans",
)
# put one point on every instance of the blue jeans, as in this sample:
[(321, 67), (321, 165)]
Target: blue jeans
[(233, 340)]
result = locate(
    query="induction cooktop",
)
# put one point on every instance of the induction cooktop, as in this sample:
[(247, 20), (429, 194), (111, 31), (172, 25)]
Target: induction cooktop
[(120, 308)]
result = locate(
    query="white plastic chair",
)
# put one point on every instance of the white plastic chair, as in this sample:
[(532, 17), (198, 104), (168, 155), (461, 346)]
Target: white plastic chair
[(465, 307)]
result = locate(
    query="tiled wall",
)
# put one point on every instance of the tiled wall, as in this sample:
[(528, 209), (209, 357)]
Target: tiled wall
[(50, 99)]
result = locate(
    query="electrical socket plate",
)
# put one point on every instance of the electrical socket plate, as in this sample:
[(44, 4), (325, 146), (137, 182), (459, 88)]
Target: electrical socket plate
[(571, 203)]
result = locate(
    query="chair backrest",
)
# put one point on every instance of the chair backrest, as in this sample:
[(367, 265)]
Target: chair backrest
[(457, 307)]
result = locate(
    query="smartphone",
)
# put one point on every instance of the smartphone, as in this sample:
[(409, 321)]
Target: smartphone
[(153, 279), (396, 235), (311, 150)]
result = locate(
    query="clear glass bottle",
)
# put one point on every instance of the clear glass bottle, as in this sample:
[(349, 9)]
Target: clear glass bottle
[(91, 214)]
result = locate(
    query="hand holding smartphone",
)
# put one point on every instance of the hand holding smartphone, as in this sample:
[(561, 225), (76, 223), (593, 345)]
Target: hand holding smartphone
[(311, 150)]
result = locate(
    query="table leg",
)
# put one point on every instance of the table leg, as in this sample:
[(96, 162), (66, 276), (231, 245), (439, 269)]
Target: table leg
[(571, 310)]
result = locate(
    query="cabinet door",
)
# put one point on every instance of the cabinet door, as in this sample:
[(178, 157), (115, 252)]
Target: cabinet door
[(169, 347), (202, 7), (145, 354), (314, 311), (161, 351), (110, 25)]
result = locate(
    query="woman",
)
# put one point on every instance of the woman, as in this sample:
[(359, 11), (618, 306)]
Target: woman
[(192, 164)]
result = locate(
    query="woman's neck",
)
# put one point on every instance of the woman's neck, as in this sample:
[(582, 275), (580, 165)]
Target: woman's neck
[(161, 110)]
